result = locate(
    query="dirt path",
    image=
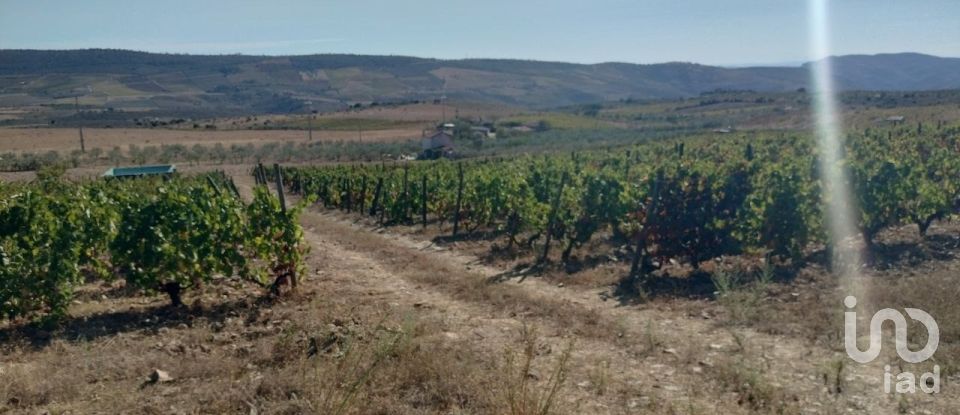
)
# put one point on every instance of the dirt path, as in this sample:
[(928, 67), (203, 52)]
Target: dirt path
[(627, 358), (607, 376)]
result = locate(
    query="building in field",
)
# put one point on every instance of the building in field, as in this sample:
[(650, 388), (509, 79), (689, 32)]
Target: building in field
[(482, 132), (163, 170), (438, 145)]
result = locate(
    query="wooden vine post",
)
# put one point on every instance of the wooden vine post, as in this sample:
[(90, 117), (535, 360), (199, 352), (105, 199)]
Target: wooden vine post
[(377, 194), (423, 200), (263, 175), (406, 192), (349, 197), (648, 220), (233, 188), (441, 219), (383, 209), (552, 219), (213, 185), (260, 175), (278, 176), (456, 213), (363, 194)]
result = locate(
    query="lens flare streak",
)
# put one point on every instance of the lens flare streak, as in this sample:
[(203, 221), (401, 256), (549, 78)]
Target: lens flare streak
[(840, 215)]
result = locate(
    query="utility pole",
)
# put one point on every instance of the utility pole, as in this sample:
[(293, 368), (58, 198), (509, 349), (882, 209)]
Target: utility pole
[(360, 133), (76, 107), (310, 113)]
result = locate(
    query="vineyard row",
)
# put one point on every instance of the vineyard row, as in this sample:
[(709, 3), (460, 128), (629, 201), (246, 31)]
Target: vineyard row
[(158, 235), (688, 200)]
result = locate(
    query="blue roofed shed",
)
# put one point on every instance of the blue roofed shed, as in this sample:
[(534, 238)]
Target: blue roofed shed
[(139, 171)]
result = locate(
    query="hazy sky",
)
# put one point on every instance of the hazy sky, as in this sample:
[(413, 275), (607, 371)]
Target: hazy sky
[(640, 31)]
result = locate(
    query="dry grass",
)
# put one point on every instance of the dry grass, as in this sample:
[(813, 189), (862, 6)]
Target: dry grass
[(754, 388), (907, 273), (311, 354), (935, 292), (742, 293)]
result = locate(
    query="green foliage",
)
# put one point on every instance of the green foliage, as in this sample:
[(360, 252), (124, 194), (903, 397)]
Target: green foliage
[(600, 205), (782, 211), (697, 211), (900, 176), (40, 252), (184, 233), (756, 193), (275, 236), (158, 235)]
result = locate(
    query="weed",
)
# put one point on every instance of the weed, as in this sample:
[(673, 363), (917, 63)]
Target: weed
[(649, 337), (752, 386), (833, 375), (599, 376), (740, 293), (523, 396)]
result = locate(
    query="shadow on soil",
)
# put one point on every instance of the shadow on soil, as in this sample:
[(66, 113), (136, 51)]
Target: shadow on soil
[(520, 272), (938, 247), (468, 236), (697, 284), (149, 319)]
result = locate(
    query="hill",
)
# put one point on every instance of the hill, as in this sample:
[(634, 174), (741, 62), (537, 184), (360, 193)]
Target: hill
[(189, 85), (899, 71)]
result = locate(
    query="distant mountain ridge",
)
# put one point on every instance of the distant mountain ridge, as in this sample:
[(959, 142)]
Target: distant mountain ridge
[(895, 71), (245, 83)]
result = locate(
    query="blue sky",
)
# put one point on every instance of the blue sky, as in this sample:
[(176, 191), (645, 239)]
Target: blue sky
[(727, 32)]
